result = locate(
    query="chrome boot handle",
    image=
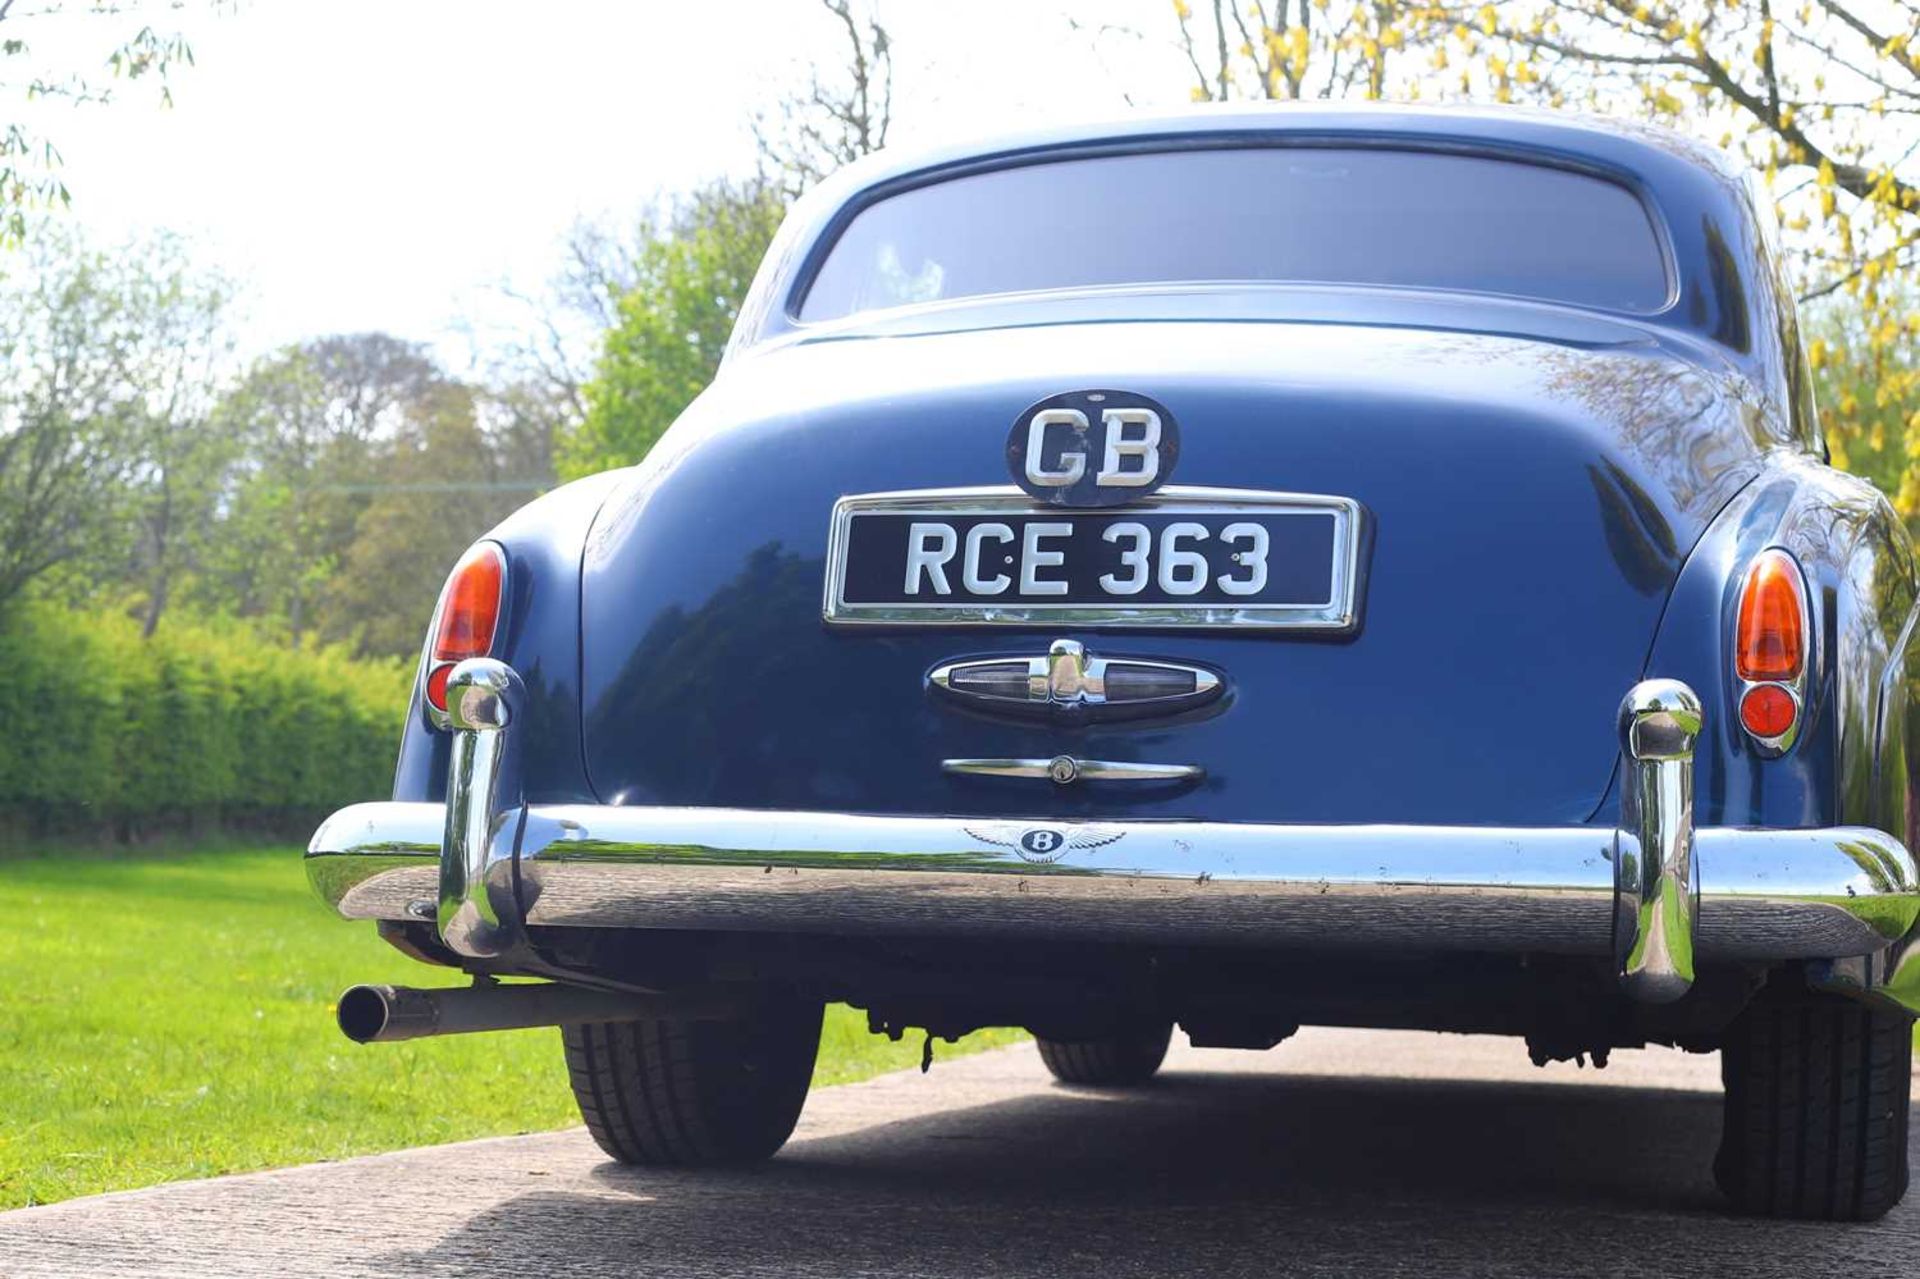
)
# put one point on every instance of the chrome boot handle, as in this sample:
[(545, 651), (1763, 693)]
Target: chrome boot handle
[(1064, 770)]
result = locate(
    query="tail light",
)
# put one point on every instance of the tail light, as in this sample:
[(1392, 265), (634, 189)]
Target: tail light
[(468, 616), (1770, 642)]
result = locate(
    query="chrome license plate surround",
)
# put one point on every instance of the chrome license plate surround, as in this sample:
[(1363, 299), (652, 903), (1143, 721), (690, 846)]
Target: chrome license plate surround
[(1339, 614)]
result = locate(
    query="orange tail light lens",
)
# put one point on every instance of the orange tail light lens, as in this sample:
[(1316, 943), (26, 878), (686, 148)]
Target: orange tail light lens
[(469, 615), (1770, 641)]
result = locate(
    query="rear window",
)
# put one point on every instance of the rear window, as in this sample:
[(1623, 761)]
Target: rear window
[(1297, 215)]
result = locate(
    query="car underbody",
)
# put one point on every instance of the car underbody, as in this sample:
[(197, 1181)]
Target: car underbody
[(1221, 997)]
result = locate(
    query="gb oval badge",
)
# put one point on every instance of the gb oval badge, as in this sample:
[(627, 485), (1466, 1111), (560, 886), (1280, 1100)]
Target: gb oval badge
[(1093, 448)]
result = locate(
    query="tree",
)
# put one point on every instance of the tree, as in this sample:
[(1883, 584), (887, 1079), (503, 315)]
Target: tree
[(445, 479), (537, 366), (519, 421), (676, 286), (1820, 97), (101, 368), (367, 381), (833, 121), (672, 325), (550, 360), (29, 161), (1289, 48), (179, 451), (311, 422), (360, 470), (1869, 432)]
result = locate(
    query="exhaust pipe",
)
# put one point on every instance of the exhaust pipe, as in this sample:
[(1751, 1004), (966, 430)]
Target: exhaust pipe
[(382, 1014)]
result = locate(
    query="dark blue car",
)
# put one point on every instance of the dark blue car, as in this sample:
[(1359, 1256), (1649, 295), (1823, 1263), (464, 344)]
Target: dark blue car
[(1240, 569)]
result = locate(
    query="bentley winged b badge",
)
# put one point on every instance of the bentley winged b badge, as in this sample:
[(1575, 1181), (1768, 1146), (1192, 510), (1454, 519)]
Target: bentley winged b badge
[(1042, 845)]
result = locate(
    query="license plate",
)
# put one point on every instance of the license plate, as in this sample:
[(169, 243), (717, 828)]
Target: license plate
[(1184, 557)]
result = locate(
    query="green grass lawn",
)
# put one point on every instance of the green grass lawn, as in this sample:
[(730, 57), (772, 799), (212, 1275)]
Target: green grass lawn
[(170, 1017)]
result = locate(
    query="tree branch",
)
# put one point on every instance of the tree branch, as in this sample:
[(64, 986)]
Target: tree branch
[(1193, 58), (1246, 36), (1890, 258), (1856, 180), (1879, 42), (1766, 61), (1220, 40)]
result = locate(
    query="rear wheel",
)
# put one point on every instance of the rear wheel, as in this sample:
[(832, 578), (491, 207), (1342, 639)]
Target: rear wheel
[(1816, 1109), (695, 1093), (1130, 1057)]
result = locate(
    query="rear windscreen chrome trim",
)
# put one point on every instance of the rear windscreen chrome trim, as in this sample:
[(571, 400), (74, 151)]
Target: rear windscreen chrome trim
[(1340, 615)]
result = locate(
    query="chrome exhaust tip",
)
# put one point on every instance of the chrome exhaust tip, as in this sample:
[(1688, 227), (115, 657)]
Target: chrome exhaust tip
[(386, 1014), (381, 1014)]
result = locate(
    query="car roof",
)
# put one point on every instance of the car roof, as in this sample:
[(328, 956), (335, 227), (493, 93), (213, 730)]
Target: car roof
[(1571, 134)]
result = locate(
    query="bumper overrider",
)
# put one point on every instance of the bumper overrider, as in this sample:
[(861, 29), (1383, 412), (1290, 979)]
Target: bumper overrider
[(1656, 895)]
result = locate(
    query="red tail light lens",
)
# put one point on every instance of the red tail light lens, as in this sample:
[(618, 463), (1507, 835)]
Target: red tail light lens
[(469, 615), (1770, 640), (437, 685), (1767, 711)]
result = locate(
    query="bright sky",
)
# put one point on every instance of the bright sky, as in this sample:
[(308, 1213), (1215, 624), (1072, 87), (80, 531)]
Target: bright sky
[(363, 164)]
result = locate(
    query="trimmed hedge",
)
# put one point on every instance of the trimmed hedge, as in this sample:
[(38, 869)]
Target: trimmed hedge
[(199, 726)]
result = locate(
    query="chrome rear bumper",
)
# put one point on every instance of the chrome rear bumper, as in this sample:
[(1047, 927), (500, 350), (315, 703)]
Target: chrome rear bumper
[(1653, 898)]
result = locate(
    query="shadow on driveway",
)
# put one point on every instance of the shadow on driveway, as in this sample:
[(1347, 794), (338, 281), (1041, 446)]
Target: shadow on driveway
[(1214, 1174)]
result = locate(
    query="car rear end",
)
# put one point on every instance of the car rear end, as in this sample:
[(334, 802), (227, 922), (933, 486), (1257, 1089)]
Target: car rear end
[(1234, 613)]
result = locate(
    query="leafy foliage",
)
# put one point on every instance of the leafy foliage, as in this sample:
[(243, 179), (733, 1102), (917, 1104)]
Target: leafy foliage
[(341, 480), (1870, 431), (672, 326), (29, 161), (678, 284), (104, 379), (197, 724), (308, 422), (445, 477), (325, 491)]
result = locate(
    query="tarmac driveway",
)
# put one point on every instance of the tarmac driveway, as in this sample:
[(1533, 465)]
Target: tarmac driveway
[(1339, 1153)]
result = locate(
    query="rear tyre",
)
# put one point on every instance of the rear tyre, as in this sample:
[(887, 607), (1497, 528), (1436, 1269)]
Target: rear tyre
[(1118, 1061), (695, 1093), (1816, 1109)]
